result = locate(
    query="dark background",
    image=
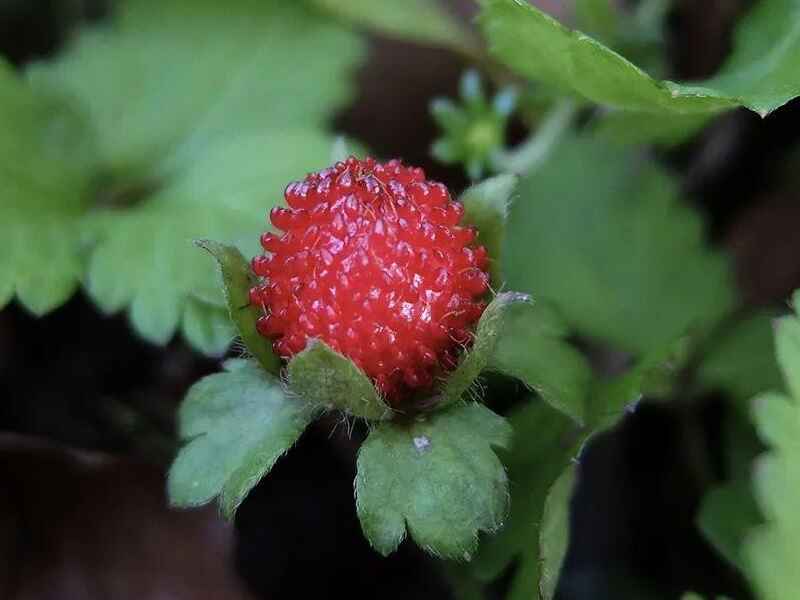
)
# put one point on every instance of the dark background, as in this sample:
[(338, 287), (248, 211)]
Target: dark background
[(86, 409)]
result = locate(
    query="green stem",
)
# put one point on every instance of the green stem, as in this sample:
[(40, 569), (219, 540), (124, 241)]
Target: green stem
[(531, 153)]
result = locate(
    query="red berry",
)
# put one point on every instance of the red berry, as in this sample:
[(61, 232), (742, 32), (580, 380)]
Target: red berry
[(372, 261)]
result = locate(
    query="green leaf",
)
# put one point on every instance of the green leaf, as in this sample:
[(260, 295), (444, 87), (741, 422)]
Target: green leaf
[(787, 349), (728, 514), (549, 443), (424, 21), (325, 378), (553, 443), (603, 235), (204, 327), (436, 478), (554, 532), (486, 206), (44, 178), (761, 74), (236, 424), (637, 127), (742, 363), (772, 552), (193, 140), (532, 348), (477, 358), (238, 278)]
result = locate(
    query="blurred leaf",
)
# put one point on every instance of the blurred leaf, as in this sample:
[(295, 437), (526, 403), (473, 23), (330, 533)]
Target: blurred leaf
[(238, 279), (532, 348), (554, 532), (772, 552), (424, 21), (325, 378), (479, 355), (603, 235), (742, 363), (473, 131), (728, 514), (436, 477), (44, 183), (236, 424), (761, 74), (598, 18), (463, 584), (486, 207), (200, 113)]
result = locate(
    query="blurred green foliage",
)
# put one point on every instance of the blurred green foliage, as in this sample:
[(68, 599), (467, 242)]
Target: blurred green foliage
[(177, 120)]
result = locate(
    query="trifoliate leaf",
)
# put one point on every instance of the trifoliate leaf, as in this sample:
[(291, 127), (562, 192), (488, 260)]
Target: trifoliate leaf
[(554, 532), (201, 112), (423, 21), (532, 349), (44, 182), (435, 478), (603, 235), (477, 358), (772, 552), (761, 73), (236, 424), (238, 278), (486, 206), (325, 378)]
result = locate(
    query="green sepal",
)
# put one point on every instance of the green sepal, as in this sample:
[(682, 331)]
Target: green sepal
[(236, 424), (486, 207), (532, 348), (477, 358), (436, 479), (323, 377), (554, 532), (237, 279)]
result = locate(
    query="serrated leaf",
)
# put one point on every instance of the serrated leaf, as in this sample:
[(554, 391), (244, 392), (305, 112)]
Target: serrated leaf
[(236, 424), (772, 552), (761, 73), (194, 140), (532, 349), (742, 363), (604, 236), (424, 21), (554, 532), (44, 182), (436, 478), (477, 358), (206, 327), (238, 278), (325, 378), (486, 206)]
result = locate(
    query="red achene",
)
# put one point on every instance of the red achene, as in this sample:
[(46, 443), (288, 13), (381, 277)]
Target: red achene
[(372, 261)]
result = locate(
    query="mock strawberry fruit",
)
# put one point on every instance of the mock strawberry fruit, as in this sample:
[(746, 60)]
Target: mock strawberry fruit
[(372, 261)]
